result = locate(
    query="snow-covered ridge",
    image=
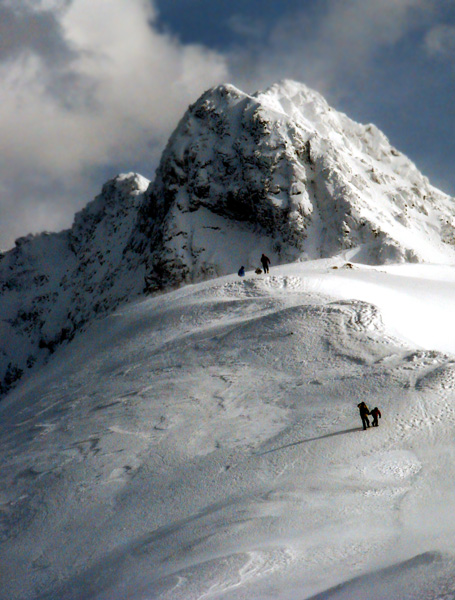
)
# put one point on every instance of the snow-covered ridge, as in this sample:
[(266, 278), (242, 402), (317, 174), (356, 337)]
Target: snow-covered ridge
[(279, 172), (53, 283)]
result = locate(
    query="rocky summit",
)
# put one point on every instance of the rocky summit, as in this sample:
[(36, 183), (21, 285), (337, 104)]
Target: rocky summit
[(282, 171), (279, 172)]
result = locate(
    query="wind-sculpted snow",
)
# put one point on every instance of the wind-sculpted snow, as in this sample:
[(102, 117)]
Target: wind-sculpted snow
[(206, 443), (418, 578)]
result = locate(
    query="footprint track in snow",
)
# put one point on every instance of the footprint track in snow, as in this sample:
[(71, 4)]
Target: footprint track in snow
[(283, 282), (425, 414), (260, 286), (362, 316), (441, 379)]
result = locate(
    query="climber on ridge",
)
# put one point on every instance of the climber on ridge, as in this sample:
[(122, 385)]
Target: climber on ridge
[(265, 260)]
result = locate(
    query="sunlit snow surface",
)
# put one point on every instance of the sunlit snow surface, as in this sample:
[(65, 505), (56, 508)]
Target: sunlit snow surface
[(206, 444)]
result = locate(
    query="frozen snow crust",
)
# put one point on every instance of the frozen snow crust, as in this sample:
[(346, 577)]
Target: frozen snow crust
[(278, 172), (205, 444)]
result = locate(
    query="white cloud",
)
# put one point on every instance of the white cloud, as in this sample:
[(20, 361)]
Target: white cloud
[(245, 26), (335, 44), (114, 92), (440, 41)]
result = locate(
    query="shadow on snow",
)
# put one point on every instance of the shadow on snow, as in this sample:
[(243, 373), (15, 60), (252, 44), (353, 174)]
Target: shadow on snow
[(313, 439)]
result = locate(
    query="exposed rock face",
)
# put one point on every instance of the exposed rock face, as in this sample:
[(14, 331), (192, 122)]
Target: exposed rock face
[(278, 172), (302, 179)]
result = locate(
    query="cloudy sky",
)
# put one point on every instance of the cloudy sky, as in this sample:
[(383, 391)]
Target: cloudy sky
[(92, 88)]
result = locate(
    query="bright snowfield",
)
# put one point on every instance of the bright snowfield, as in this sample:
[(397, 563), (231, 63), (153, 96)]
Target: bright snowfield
[(206, 444)]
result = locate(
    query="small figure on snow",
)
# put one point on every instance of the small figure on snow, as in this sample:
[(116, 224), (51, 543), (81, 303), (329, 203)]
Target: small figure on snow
[(258, 271), (265, 260), (364, 412), (241, 272), (375, 413)]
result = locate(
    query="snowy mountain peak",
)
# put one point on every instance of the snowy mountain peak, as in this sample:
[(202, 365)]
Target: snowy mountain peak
[(291, 96), (299, 179), (278, 171), (112, 214)]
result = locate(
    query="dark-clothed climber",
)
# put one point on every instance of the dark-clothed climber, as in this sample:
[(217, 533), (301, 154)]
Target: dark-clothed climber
[(265, 260), (364, 412)]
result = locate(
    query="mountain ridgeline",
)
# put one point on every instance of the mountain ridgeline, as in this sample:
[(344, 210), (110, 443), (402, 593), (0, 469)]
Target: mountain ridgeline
[(279, 172)]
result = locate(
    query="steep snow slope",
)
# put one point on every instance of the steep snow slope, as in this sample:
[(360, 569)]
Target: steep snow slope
[(278, 172), (206, 444)]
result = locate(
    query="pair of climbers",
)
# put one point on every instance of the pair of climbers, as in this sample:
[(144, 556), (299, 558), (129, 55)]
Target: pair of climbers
[(265, 261), (365, 411)]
